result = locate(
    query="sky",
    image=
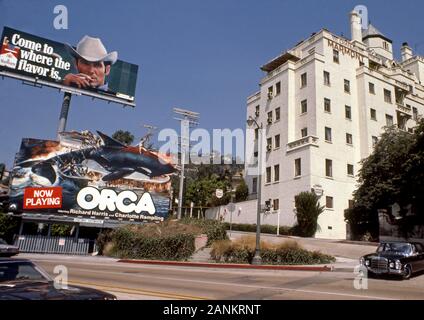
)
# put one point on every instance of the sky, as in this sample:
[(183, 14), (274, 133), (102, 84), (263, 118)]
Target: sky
[(201, 55)]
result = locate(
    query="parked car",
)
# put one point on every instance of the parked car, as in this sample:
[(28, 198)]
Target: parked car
[(398, 258), (21, 279), (7, 250)]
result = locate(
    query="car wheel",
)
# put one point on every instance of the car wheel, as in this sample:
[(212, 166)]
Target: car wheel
[(407, 272)]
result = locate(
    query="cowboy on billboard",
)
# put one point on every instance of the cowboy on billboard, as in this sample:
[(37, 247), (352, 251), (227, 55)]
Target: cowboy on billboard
[(93, 63)]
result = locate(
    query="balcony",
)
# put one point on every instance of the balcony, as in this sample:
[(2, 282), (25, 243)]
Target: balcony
[(303, 142), (404, 109)]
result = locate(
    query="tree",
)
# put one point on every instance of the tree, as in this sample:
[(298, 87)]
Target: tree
[(392, 174), (125, 137), (308, 210), (242, 192)]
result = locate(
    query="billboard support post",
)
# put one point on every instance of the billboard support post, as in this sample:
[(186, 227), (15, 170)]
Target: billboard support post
[(64, 112)]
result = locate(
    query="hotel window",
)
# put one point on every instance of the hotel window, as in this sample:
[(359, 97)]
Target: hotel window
[(389, 120), (277, 173), (304, 106), (270, 117), (303, 80), (348, 112), (349, 139), (329, 202), (255, 157), (298, 167), (277, 114), (374, 140), (256, 134), (328, 168), (336, 56), (327, 105), (350, 171), (268, 175), (327, 78), (277, 141), (350, 204), (371, 87), (255, 185), (257, 110), (385, 45), (269, 144), (346, 86), (270, 90), (373, 114), (304, 132), (387, 96), (327, 134), (278, 88), (415, 113), (276, 204)]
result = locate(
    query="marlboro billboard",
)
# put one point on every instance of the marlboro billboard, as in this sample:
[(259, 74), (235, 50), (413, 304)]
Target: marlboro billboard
[(88, 67), (90, 176)]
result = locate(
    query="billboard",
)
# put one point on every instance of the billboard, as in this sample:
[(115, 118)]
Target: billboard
[(88, 176), (88, 68)]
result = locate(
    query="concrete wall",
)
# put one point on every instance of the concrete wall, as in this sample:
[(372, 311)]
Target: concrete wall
[(244, 212)]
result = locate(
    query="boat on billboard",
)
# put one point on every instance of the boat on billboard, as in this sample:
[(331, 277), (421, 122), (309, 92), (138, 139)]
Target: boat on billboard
[(84, 175), (88, 67)]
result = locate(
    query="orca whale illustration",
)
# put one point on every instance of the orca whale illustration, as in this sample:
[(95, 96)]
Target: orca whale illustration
[(113, 156)]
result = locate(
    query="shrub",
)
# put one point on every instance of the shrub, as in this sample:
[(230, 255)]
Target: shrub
[(9, 226), (289, 252), (265, 228), (307, 211), (143, 243)]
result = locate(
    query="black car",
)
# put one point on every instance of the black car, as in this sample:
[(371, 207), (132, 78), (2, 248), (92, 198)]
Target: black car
[(398, 258), (7, 250), (20, 279)]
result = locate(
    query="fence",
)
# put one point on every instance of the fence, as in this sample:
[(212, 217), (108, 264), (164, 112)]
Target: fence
[(56, 245)]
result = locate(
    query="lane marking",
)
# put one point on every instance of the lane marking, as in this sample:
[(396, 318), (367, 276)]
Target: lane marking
[(137, 291)]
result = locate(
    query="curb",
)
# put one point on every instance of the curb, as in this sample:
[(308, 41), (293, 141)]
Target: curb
[(229, 266)]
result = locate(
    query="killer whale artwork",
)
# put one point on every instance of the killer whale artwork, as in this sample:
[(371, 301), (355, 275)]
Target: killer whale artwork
[(83, 160)]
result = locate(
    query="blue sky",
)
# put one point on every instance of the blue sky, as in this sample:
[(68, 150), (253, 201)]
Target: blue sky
[(202, 55)]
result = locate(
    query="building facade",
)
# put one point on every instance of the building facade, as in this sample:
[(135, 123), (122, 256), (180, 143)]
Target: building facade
[(323, 105)]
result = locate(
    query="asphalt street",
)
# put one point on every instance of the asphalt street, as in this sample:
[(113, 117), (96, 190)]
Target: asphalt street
[(135, 281)]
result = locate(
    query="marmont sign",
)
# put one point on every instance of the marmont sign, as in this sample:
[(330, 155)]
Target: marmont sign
[(346, 48)]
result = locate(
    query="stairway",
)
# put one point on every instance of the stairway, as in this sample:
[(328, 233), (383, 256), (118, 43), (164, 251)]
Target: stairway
[(202, 255)]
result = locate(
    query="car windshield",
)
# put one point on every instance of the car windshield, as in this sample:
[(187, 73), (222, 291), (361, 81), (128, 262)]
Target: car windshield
[(2, 241), (395, 247), (20, 271)]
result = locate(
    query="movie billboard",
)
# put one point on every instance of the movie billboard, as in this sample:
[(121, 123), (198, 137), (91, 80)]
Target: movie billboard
[(84, 175), (89, 66)]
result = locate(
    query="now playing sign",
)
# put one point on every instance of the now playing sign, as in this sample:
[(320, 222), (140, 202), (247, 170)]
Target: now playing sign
[(43, 198)]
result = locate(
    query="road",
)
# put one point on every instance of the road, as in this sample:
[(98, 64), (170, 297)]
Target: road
[(135, 281)]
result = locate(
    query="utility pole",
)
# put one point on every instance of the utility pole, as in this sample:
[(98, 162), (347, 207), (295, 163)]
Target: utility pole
[(187, 118)]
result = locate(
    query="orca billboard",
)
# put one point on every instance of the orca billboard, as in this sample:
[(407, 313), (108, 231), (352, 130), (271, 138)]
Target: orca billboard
[(84, 175), (89, 67)]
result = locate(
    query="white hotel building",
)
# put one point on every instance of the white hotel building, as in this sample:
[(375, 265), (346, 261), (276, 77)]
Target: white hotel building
[(323, 104)]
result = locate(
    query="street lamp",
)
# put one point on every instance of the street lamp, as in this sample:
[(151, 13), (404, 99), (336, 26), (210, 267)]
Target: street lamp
[(257, 260)]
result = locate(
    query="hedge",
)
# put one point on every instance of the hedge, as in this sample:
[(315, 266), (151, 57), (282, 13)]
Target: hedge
[(130, 243), (287, 253), (265, 228)]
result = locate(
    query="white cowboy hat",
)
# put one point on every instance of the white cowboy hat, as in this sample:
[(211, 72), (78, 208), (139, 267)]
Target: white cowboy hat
[(93, 50)]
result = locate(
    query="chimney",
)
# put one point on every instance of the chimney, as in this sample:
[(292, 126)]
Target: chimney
[(355, 26), (406, 51)]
